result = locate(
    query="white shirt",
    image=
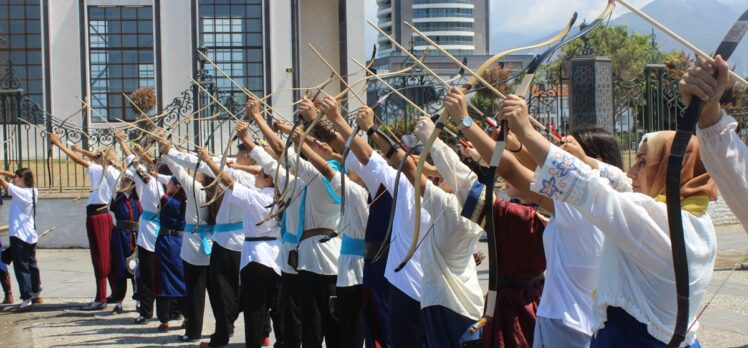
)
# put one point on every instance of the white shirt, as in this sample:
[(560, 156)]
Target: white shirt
[(253, 202), (192, 246), (449, 272), (231, 239), (21, 213), (351, 265), (725, 156), (150, 200), (573, 248), (636, 268), (102, 185), (377, 172), (320, 211)]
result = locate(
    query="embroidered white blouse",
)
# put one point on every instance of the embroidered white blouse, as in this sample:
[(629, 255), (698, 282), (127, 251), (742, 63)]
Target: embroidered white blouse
[(253, 201), (636, 269), (725, 156)]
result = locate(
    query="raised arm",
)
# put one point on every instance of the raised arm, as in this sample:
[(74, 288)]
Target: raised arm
[(208, 159), (120, 136), (318, 162), (253, 110), (90, 154), (55, 140)]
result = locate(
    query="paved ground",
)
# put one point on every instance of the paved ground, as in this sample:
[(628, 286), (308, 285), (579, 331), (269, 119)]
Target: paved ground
[(66, 277)]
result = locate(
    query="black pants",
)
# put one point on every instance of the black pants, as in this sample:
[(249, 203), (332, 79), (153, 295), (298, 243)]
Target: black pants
[(146, 281), (26, 269), (196, 278), (318, 323), (223, 289), (260, 288), (290, 308), (167, 307), (348, 310), (406, 326)]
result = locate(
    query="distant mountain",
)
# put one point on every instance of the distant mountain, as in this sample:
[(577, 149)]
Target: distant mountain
[(702, 23)]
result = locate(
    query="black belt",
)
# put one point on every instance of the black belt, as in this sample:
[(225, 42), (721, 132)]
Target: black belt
[(259, 239), (169, 232), (126, 225), (316, 232), (96, 209), (515, 283), (371, 249)]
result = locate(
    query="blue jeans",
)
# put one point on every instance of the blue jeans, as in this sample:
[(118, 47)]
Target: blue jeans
[(24, 264)]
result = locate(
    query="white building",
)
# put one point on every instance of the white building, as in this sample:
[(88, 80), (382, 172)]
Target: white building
[(64, 50)]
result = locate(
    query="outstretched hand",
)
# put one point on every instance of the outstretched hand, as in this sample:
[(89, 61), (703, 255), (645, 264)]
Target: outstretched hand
[(307, 109), (708, 82), (423, 129), (330, 107), (242, 129), (455, 104), (514, 110), (203, 154), (365, 118)]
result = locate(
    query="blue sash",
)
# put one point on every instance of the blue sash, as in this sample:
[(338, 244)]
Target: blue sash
[(205, 231), (232, 227), (352, 246)]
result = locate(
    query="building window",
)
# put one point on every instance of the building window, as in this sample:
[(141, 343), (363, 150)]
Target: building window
[(121, 58), (442, 12), (231, 33), (21, 45), (446, 40), (444, 26)]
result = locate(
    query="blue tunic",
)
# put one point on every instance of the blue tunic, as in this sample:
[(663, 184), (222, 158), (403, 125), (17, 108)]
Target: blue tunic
[(168, 247), (623, 330), (123, 242)]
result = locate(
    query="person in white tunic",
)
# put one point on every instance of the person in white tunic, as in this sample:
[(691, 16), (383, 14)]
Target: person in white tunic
[(635, 302), (196, 246), (349, 290), (405, 286), (150, 191), (724, 154), (228, 239), (103, 178), (23, 235), (312, 214), (260, 274)]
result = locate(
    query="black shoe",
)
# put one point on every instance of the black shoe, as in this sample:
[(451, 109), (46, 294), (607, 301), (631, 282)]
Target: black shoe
[(109, 299), (94, 306), (140, 320), (186, 338), (117, 310)]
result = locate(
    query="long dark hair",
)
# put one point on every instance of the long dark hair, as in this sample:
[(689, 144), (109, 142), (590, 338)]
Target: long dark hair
[(27, 175), (600, 143)]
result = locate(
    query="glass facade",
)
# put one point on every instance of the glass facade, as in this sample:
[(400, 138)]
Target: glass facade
[(21, 44), (231, 31), (121, 58), (442, 12)]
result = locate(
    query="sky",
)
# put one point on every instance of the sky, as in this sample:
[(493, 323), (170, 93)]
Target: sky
[(539, 17)]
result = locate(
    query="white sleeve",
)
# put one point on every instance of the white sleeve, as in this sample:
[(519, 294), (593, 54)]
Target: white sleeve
[(19, 193), (163, 179), (370, 173), (182, 175), (617, 178), (634, 222), (725, 156), (269, 164), (189, 160), (459, 177)]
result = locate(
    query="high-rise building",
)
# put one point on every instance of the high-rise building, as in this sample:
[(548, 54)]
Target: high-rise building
[(460, 26)]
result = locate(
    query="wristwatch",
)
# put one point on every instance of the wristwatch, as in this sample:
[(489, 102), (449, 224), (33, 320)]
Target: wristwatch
[(466, 122)]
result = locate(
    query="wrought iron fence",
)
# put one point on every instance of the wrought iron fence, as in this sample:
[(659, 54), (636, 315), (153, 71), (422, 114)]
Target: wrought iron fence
[(190, 122)]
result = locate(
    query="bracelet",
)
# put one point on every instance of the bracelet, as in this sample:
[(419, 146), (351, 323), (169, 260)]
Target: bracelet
[(518, 150), (392, 150), (371, 130)]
